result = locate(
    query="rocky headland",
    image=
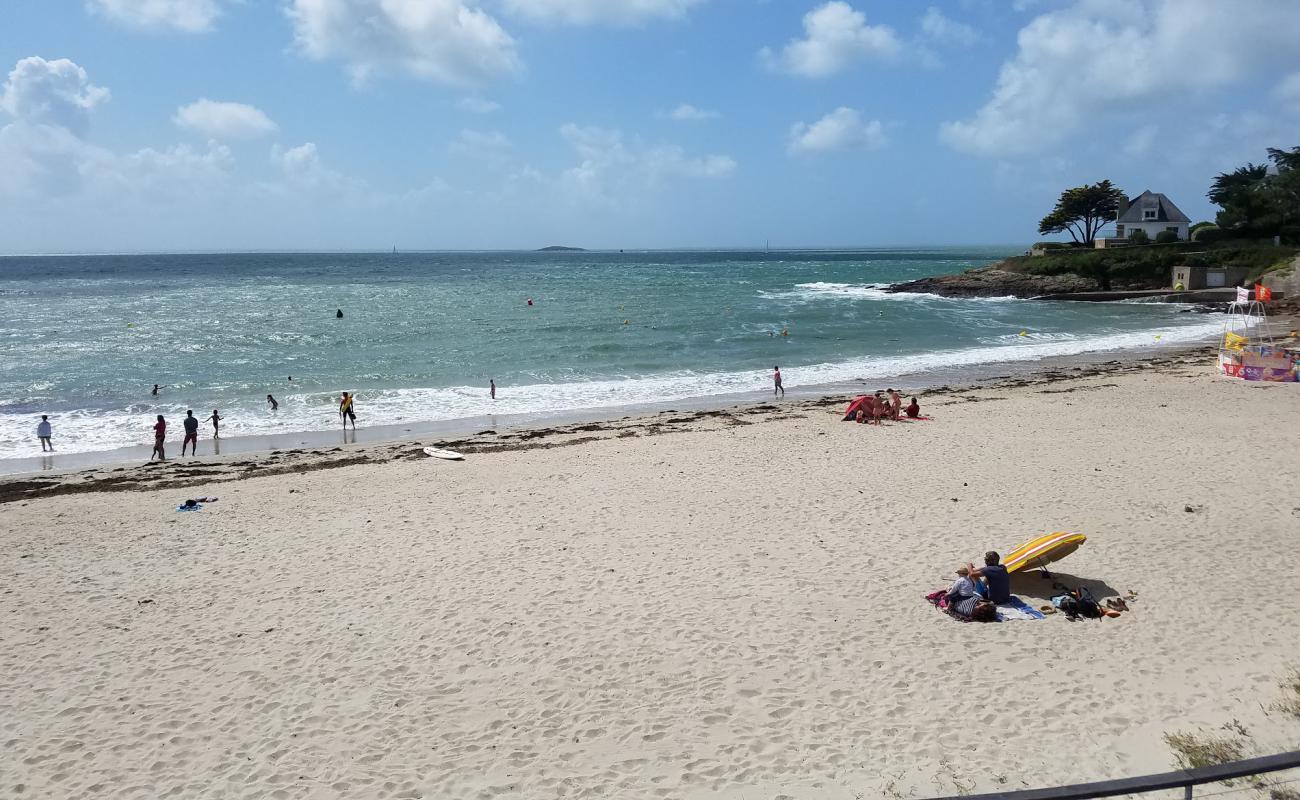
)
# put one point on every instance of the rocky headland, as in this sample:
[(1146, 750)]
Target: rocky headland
[(994, 282)]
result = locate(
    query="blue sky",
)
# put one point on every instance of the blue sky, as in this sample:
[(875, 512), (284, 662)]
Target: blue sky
[(336, 124)]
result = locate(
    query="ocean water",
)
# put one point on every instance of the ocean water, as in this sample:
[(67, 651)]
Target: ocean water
[(84, 338)]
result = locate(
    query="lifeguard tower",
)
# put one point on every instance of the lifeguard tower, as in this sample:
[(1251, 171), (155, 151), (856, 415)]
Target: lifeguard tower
[(1250, 349)]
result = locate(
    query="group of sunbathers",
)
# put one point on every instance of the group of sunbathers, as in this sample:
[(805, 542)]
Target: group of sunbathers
[(989, 583), (882, 405)]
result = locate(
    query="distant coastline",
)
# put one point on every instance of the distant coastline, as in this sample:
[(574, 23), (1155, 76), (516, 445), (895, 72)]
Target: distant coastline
[(559, 248)]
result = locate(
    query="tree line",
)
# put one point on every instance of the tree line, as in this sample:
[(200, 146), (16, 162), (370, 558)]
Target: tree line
[(1256, 201)]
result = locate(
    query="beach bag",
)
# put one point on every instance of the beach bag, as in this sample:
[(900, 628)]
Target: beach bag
[(1067, 605), (1087, 604)]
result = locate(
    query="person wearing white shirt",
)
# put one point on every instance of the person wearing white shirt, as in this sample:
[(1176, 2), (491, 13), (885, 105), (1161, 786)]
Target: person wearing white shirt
[(43, 433)]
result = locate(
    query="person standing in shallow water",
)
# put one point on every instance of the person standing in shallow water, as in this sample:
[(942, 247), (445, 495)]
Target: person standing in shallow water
[(215, 419), (338, 314), (156, 387), (191, 439), (347, 411), (43, 433), (159, 438), (492, 388), (274, 405), (777, 388)]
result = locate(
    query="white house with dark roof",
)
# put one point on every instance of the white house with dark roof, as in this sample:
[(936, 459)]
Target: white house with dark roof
[(1151, 212)]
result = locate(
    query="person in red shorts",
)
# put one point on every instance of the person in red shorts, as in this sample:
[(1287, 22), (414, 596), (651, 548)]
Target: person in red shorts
[(191, 440)]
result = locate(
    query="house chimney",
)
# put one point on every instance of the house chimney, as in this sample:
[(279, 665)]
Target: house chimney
[(1123, 206)]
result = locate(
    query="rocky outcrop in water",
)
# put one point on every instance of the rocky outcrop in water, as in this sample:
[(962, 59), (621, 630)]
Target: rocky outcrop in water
[(992, 282)]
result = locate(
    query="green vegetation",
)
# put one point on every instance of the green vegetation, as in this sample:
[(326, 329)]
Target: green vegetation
[(1166, 237), (1209, 233), (1259, 200), (1290, 702), (1192, 750), (1083, 211), (1149, 267)]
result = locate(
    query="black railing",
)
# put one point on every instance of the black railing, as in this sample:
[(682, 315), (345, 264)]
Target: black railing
[(1182, 779)]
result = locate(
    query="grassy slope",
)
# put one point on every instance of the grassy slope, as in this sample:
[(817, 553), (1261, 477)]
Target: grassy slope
[(1149, 266)]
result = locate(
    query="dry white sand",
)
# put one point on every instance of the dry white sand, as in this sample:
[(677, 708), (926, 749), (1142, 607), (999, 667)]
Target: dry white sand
[(726, 613)]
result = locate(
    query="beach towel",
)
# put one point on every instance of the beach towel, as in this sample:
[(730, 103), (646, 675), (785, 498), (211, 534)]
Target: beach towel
[(1016, 609), (1010, 611), (194, 507)]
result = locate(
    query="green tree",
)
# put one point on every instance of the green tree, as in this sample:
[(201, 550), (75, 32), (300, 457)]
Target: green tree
[(1259, 200), (1083, 211)]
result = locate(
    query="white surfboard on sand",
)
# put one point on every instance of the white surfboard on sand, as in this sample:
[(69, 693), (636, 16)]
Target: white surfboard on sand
[(449, 455)]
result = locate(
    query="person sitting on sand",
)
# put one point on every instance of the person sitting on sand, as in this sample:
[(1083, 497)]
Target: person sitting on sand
[(961, 595), (994, 581), (913, 409)]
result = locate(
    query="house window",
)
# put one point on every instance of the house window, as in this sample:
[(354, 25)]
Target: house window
[(1171, 228), (1148, 214), (1119, 231)]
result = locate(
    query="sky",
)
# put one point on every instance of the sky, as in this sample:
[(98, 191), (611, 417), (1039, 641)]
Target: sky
[(145, 125)]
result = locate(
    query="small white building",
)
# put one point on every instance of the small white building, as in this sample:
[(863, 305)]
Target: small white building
[(1151, 212)]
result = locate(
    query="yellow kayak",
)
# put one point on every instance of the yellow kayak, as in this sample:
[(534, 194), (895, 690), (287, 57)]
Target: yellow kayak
[(1043, 550)]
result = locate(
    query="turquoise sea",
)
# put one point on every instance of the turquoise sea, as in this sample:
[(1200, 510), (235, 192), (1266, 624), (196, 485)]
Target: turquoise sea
[(84, 338)]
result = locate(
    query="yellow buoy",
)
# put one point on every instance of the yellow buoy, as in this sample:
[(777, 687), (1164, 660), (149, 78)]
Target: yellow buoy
[(1024, 333), (624, 322)]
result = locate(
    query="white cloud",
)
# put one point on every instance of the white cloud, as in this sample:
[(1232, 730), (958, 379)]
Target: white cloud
[(303, 171), (835, 36), (1288, 91), (179, 169), (611, 12), (842, 129), (56, 92), (1077, 65), (223, 120), (190, 16), (939, 28), (612, 169), (444, 41), (478, 105), (687, 113)]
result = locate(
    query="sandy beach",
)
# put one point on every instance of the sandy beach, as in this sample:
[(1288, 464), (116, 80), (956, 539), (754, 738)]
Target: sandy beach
[(723, 604)]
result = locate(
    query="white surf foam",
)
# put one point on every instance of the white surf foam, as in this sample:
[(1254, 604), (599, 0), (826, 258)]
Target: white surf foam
[(821, 290), (92, 431)]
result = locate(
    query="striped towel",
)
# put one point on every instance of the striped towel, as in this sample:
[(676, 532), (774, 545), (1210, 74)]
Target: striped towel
[(1015, 609)]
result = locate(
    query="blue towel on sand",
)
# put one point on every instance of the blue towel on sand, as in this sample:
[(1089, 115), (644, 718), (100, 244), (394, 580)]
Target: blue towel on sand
[(1015, 609), (189, 508)]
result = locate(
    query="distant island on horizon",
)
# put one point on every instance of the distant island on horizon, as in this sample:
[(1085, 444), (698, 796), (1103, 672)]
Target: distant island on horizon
[(559, 248)]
